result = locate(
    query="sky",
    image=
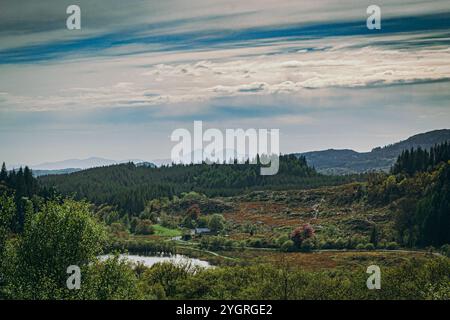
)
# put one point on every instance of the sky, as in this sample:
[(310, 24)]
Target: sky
[(137, 70)]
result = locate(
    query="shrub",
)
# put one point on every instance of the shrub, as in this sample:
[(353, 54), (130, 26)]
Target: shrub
[(216, 222), (255, 243), (383, 245), (287, 246), (445, 249), (329, 244), (369, 246), (282, 239), (392, 245), (340, 243), (360, 246), (302, 233), (307, 245), (144, 227)]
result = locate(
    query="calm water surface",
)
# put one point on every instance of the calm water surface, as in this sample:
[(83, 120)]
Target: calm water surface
[(151, 260)]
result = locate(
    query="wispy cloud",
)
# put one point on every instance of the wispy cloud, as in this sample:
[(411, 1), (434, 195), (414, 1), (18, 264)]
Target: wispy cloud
[(309, 67), (339, 65)]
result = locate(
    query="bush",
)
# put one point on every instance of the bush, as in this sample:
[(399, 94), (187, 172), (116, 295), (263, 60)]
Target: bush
[(255, 243), (282, 239), (216, 243), (369, 246), (392, 245), (288, 246), (301, 234), (329, 244), (307, 245), (340, 244), (59, 235), (360, 246), (382, 245), (144, 227), (216, 223), (445, 249)]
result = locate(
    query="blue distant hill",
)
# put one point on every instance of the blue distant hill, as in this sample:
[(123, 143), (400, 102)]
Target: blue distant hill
[(347, 161)]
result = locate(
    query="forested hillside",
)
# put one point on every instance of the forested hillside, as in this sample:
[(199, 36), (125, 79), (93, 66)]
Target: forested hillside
[(260, 240), (129, 186), (381, 158), (419, 190)]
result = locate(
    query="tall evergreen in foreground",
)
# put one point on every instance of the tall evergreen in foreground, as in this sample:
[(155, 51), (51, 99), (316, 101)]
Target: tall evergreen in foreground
[(22, 186), (3, 173)]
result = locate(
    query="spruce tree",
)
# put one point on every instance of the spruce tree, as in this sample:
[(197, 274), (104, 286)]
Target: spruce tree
[(3, 173)]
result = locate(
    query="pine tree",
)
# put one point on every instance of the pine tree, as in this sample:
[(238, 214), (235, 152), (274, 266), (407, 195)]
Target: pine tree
[(374, 236), (3, 173)]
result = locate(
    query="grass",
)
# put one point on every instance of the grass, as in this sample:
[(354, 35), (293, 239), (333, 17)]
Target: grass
[(166, 232), (334, 212), (326, 260)]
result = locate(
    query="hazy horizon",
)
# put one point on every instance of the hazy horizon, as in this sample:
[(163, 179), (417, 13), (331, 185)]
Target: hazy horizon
[(157, 161)]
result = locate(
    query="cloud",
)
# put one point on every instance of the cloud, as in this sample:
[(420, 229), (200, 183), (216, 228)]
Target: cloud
[(153, 56), (342, 64)]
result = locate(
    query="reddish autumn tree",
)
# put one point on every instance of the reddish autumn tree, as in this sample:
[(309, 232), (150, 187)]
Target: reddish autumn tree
[(193, 212), (302, 233)]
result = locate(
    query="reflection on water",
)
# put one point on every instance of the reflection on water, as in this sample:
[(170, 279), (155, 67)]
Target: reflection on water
[(151, 260)]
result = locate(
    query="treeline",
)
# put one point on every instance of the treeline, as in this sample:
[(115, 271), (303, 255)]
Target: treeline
[(418, 160), (130, 187), (22, 186), (59, 233), (418, 189), (22, 181)]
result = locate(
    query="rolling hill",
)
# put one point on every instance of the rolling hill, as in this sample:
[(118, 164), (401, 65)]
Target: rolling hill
[(347, 161)]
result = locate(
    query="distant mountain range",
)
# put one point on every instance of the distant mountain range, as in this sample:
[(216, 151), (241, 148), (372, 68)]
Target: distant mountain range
[(346, 161), (74, 165), (38, 173), (331, 161), (80, 163)]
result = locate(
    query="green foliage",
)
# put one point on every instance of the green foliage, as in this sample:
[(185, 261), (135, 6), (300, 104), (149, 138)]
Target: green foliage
[(419, 160), (216, 243), (433, 211), (374, 236), (445, 249), (392, 245), (141, 246), (421, 191), (7, 212), (144, 227), (425, 220), (166, 232), (216, 223), (131, 187), (166, 276), (118, 230), (288, 246), (307, 245), (282, 280), (54, 238), (111, 279), (191, 216), (3, 173), (22, 186)]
